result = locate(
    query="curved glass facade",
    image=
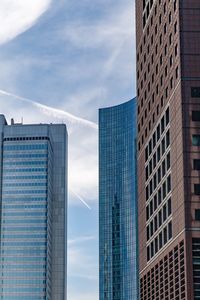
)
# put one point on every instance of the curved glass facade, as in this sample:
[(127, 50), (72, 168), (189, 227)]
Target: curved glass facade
[(32, 253), (118, 202)]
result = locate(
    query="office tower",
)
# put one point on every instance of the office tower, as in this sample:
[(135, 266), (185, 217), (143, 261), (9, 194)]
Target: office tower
[(33, 206), (168, 88), (117, 202)]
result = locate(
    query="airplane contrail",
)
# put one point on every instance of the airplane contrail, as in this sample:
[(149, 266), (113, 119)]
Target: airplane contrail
[(52, 111), (81, 199)]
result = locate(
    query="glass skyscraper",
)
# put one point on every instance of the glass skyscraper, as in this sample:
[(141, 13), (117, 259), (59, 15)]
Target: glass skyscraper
[(33, 211), (118, 202)]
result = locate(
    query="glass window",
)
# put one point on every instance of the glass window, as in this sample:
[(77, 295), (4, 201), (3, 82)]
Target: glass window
[(147, 213), (152, 249), (154, 160), (165, 235), (169, 207), (150, 167), (196, 140), (156, 223), (164, 190), (164, 212), (195, 92), (148, 254), (151, 208), (154, 139), (196, 116), (147, 193), (163, 145), (150, 147), (167, 139), (168, 161), (169, 183), (146, 153), (163, 168), (147, 174), (162, 124), (159, 174), (155, 202), (151, 187), (155, 181), (196, 164), (158, 132), (156, 244), (151, 228), (160, 240), (197, 214), (148, 233), (170, 230), (159, 196), (158, 153), (160, 218), (197, 189)]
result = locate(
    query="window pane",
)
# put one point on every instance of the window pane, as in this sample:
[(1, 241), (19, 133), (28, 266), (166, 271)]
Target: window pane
[(169, 207), (168, 161), (196, 140), (170, 230), (196, 116), (169, 183), (165, 235), (167, 139), (197, 189), (196, 164), (167, 116), (197, 214), (195, 92)]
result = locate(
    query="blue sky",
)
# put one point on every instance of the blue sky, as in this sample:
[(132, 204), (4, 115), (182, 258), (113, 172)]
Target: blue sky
[(60, 61)]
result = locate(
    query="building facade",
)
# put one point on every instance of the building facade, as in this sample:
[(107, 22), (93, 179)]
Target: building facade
[(168, 89), (33, 211), (117, 202)]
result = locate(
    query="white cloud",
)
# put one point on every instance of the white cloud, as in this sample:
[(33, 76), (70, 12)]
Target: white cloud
[(105, 32), (52, 112), (81, 260), (81, 239), (17, 16)]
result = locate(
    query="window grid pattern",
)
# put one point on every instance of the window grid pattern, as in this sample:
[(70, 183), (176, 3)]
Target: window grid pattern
[(158, 187), (117, 203), (196, 267), (167, 279), (157, 63), (25, 257)]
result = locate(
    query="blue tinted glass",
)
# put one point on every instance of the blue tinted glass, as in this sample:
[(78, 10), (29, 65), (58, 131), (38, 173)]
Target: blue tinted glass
[(24, 231), (118, 203)]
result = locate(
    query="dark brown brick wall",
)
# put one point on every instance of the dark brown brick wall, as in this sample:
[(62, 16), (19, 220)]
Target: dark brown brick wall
[(170, 40)]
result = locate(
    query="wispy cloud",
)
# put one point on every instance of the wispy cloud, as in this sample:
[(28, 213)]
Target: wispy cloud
[(79, 58), (82, 239), (17, 16), (82, 264), (105, 31), (83, 142), (52, 112)]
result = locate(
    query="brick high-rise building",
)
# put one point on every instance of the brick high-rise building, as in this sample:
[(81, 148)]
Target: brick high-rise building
[(168, 88)]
